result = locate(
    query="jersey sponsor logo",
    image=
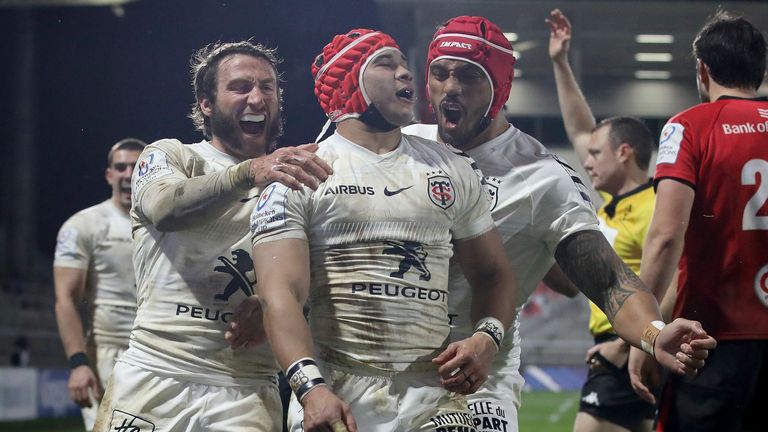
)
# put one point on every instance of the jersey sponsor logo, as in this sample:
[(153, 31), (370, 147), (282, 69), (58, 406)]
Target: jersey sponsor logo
[(238, 267), (455, 44), (270, 211), (761, 285), (414, 257), (440, 190), (744, 128), (669, 143), (126, 422), (349, 190), (453, 422), (492, 188), (152, 166), (388, 192), (395, 290), (199, 312), (488, 416), (762, 112), (66, 242)]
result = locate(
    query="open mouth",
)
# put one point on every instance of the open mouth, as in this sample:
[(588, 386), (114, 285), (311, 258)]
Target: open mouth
[(452, 113), (253, 124), (405, 93)]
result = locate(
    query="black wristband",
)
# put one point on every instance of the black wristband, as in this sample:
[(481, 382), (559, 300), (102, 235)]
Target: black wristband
[(78, 359)]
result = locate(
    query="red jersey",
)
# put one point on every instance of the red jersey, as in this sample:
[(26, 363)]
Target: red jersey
[(720, 149)]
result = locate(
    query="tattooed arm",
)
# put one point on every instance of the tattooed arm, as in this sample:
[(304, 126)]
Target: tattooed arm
[(593, 266)]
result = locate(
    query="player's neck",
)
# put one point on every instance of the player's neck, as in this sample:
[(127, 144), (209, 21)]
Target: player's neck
[(634, 179), (116, 201), (372, 139), (716, 91), (498, 126)]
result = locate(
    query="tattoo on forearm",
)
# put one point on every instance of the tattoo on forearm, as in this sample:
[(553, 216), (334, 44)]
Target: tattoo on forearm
[(593, 266)]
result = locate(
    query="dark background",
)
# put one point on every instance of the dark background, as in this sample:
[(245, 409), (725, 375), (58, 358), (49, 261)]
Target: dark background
[(99, 77)]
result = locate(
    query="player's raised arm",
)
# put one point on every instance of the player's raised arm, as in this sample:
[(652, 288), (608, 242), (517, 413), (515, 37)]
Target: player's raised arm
[(577, 116)]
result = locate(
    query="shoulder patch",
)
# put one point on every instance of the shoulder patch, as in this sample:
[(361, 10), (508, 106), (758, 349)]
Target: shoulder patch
[(152, 166), (669, 143), (269, 212), (66, 242)]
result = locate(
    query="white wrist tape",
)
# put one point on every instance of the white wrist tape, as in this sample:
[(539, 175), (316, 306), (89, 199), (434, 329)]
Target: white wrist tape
[(649, 335), (304, 375), (492, 328)]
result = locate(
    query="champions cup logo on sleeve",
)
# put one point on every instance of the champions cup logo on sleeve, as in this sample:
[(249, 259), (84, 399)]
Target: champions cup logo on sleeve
[(440, 190), (265, 196), (151, 167), (65, 242), (269, 212), (669, 143)]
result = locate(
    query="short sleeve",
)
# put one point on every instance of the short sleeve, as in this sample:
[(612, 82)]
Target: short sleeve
[(279, 214), (562, 207), (160, 161), (474, 215), (677, 157), (74, 245)]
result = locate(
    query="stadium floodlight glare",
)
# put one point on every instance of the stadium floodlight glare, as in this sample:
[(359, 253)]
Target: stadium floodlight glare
[(653, 57), (511, 36), (653, 74), (654, 38)]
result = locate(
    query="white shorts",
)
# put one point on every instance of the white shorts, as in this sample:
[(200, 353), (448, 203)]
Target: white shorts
[(106, 356), (403, 401), (105, 361), (142, 401), (494, 406)]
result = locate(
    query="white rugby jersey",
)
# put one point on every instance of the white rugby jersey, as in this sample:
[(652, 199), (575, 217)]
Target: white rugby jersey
[(379, 233), (98, 240), (190, 281), (537, 200)]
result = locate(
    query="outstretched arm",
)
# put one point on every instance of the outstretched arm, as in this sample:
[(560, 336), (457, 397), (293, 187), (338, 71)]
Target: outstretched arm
[(282, 271), (494, 295), (593, 266), (577, 116), (70, 289), (176, 202)]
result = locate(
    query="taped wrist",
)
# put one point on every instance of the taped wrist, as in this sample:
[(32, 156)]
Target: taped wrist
[(304, 375), (492, 328), (649, 335), (78, 359)]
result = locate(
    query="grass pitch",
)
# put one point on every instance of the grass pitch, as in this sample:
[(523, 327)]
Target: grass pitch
[(541, 412)]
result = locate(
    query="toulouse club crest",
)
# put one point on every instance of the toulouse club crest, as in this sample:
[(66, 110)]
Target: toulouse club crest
[(440, 190), (492, 188)]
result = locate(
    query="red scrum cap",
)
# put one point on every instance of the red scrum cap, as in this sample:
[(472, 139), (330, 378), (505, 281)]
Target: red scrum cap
[(338, 71), (478, 41)]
